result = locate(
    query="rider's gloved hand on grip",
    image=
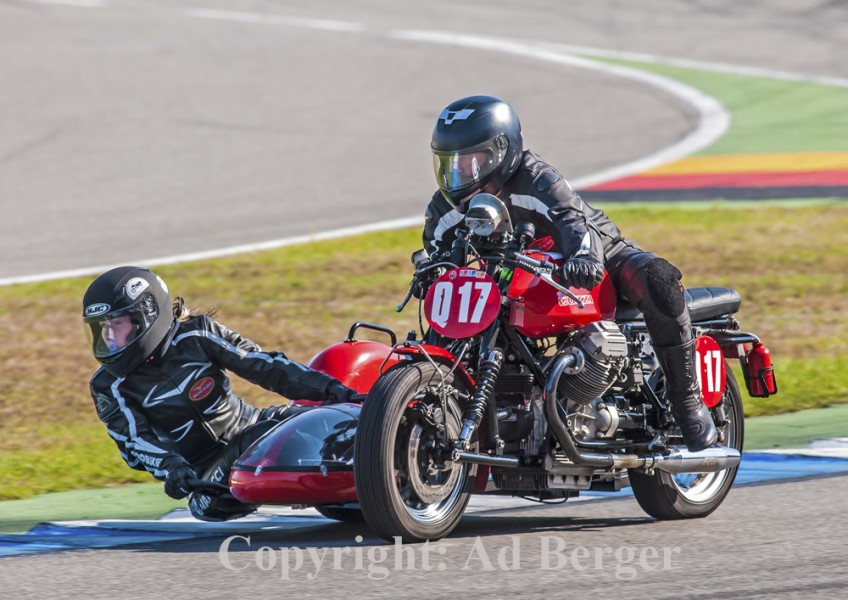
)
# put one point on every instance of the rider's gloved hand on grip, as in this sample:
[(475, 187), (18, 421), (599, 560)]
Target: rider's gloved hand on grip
[(423, 281), (419, 288), (582, 272), (176, 482), (339, 394)]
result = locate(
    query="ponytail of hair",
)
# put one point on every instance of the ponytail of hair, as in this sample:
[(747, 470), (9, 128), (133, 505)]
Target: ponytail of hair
[(182, 312)]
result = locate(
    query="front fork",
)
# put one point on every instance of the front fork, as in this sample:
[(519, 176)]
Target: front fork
[(482, 400)]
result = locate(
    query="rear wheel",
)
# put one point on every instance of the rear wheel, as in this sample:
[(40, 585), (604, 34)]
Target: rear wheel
[(692, 495), (406, 489)]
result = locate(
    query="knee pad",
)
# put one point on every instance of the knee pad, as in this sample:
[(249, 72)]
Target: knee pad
[(662, 285)]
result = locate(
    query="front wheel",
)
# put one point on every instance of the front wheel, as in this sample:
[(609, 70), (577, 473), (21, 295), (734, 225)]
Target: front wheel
[(405, 487), (692, 495)]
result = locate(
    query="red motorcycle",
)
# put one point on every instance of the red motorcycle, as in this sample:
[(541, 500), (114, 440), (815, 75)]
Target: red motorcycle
[(526, 387), (521, 386)]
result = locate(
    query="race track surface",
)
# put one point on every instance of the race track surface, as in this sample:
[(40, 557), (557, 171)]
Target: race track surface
[(138, 129), (780, 540)]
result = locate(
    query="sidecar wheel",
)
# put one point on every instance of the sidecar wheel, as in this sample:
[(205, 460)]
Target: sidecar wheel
[(341, 512), (693, 495), (404, 489)]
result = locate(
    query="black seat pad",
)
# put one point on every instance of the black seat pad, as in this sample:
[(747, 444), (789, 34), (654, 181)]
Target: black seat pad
[(704, 303)]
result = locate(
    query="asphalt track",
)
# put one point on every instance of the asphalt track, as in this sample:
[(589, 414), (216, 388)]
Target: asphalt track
[(781, 540), (137, 130), (133, 130)]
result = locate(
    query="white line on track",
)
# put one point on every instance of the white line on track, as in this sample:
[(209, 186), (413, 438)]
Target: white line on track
[(713, 120), (218, 253), (80, 3), (268, 19), (700, 65)]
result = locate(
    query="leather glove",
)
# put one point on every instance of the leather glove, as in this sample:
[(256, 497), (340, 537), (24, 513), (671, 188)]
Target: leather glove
[(281, 413), (176, 482), (582, 272), (419, 288), (339, 394), (423, 282)]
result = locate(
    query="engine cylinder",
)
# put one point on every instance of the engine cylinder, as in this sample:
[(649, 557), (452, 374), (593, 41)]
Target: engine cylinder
[(586, 385), (604, 348)]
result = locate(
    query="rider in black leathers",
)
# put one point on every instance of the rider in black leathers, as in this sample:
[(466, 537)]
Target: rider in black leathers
[(477, 147), (164, 394)]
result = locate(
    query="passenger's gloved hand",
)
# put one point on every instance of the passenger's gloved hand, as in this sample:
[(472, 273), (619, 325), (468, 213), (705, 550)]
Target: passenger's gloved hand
[(338, 394), (582, 272), (176, 483), (281, 413)]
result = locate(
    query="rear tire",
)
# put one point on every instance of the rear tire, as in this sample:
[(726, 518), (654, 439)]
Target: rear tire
[(404, 491), (669, 496)]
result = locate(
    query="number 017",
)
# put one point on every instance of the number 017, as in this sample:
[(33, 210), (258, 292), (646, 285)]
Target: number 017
[(443, 297)]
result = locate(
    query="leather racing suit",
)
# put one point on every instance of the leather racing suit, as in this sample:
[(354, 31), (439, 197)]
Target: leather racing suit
[(537, 193), (178, 409)]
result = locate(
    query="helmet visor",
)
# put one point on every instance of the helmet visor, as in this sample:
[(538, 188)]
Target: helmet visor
[(111, 333), (460, 169)]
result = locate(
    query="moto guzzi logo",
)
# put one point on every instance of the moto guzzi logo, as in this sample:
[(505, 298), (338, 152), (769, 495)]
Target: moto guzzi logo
[(201, 389), (585, 299)]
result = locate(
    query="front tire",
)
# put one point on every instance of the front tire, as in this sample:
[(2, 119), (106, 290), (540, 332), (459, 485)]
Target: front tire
[(668, 496), (404, 488)]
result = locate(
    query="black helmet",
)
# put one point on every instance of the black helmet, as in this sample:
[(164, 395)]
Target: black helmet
[(127, 312), (476, 147)]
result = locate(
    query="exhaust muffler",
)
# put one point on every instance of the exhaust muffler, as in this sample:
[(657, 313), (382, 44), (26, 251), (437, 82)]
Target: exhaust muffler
[(680, 460)]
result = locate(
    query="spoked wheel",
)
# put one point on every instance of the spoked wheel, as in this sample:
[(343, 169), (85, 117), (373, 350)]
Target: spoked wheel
[(692, 495), (406, 489)]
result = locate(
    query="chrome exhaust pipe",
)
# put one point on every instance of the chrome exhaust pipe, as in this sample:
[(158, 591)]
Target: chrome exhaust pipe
[(706, 461), (679, 460), (485, 459)]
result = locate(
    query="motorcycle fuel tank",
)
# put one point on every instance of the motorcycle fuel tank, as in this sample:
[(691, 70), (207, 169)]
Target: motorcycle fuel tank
[(307, 459), (539, 310)]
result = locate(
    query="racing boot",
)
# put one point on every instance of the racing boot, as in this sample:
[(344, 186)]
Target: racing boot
[(681, 384)]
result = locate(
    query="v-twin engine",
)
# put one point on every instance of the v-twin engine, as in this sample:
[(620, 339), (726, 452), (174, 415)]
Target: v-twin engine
[(600, 350)]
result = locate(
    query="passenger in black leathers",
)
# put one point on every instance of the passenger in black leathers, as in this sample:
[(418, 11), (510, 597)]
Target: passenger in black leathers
[(164, 394), (477, 147)]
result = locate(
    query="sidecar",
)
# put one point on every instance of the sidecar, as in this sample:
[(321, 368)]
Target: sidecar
[(308, 459)]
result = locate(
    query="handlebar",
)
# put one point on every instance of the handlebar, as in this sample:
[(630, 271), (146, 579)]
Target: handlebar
[(531, 265), (544, 271), (541, 269), (416, 277)]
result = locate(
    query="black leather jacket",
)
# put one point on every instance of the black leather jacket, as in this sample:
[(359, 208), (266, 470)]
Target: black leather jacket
[(178, 408), (539, 194)]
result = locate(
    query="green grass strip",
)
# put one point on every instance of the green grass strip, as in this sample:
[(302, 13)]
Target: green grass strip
[(768, 115), (137, 501)]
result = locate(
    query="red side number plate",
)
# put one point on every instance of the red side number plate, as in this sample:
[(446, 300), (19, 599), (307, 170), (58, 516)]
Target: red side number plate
[(462, 303)]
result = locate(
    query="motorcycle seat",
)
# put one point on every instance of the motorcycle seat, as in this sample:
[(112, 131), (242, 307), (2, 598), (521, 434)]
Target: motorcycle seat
[(703, 302)]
